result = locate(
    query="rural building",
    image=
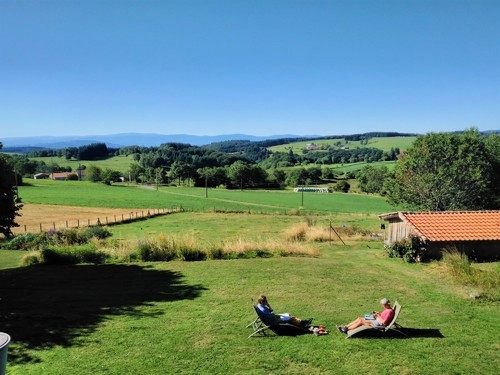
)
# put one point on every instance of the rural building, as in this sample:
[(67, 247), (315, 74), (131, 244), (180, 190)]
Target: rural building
[(41, 176), (475, 233), (61, 176)]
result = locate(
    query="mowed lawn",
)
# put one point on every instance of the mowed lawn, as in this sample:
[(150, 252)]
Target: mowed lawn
[(190, 318)]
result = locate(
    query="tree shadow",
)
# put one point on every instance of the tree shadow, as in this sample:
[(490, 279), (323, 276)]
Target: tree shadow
[(44, 306)]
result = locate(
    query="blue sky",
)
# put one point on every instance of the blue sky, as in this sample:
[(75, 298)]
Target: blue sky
[(264, 67)]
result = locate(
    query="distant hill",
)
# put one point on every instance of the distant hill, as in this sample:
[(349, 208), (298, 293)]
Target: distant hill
[(132, 139)]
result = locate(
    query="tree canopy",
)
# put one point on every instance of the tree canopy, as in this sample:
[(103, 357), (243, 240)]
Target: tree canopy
[(445, 171), (10, 203)]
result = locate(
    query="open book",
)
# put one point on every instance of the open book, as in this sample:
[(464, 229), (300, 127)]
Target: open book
[(370, 317)]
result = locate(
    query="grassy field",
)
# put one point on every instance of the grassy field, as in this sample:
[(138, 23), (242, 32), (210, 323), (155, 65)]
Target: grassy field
[(187, 318), (190, 317), (383, 143), (80, 193), (119, 163), (212, 227)]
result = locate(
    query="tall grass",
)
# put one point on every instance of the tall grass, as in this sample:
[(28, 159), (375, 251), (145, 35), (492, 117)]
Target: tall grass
[(462, 270), (309, 231)]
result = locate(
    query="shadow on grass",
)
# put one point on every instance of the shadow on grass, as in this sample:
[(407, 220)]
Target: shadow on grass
[(409, 332), (45, 306)]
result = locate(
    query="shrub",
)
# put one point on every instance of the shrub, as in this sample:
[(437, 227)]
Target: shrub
[(98, 232), (26, 241), (410, 250), (192, 255), (72, 255)]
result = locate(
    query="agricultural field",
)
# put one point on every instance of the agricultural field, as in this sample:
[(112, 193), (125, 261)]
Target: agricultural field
[(383, 143), (119, 163), (87, 194)]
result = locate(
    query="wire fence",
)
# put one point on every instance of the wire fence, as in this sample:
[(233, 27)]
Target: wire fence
[(115, 219)]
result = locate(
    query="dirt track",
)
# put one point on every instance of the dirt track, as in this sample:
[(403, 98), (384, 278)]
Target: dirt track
[(35, 214)]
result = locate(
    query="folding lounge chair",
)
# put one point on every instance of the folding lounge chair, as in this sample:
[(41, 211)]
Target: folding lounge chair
[(262, 326), (392, 326)]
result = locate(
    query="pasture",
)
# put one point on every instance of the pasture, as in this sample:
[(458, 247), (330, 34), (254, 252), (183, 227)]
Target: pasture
[(383, 143), (119, 163), (86, 194)]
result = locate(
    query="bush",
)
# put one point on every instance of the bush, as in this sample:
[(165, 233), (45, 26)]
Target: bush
[(192, 255), (410, 250), (72, 255), (26, 241)]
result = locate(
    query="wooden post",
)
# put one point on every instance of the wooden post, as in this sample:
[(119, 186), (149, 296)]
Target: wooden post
[(54, 225), (25, 230), (66, 223), (78, 223), (40, 227)]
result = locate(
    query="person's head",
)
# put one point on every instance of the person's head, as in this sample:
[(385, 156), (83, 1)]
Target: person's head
[(262, 299), (385, 302)]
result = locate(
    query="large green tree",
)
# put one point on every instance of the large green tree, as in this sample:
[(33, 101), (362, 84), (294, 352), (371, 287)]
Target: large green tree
[(10, 203), (371, 179), (445, 171)]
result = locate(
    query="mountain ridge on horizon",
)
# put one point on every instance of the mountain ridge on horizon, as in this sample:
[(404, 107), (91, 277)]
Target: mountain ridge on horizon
[(134, 139), (119, 140)]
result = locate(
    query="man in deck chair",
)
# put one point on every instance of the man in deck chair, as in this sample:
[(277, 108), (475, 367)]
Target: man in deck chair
[(266, 309), (376, 319)]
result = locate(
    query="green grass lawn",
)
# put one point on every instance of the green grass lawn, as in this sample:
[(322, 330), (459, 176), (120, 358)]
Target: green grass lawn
[(119, 163), (81, 193), (186, 318), (10, 259)]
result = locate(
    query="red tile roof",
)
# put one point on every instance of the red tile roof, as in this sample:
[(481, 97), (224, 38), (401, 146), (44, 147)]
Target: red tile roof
[(453, 225)]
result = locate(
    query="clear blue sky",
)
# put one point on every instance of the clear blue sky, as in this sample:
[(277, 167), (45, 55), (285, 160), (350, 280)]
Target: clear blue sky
[(264, 67)]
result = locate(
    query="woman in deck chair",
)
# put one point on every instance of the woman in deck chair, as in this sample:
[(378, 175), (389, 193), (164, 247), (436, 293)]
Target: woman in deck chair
[(267, 310), (376, 319)]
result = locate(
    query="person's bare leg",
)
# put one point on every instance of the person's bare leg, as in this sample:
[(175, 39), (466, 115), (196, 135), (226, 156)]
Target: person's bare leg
[(358, 323)]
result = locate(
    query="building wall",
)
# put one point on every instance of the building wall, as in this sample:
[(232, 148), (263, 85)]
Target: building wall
[(398, 231), (475, 250)]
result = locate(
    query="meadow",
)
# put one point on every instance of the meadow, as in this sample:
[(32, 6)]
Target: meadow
[(87, 194), (383, 143), (119, 163), (190, 317)]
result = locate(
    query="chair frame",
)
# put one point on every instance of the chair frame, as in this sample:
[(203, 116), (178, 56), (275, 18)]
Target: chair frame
[(392, 326), (263, 327)]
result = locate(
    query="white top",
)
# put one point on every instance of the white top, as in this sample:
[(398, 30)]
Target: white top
[(4, 339)]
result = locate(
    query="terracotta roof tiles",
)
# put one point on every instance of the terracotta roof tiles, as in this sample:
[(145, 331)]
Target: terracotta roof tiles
[(455, 225)]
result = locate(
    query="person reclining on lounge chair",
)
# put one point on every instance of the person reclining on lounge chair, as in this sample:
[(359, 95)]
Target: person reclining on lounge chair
[(376, 320), (267, 310)]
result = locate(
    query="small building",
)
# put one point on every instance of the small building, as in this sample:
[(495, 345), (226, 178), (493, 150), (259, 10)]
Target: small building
[(475, 233), (41, 176), (61, 176)]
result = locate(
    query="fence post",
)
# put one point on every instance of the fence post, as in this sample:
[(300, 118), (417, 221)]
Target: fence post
[(40, 227), (25, 230), (66, 223), (54, 225), (78, 224)]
